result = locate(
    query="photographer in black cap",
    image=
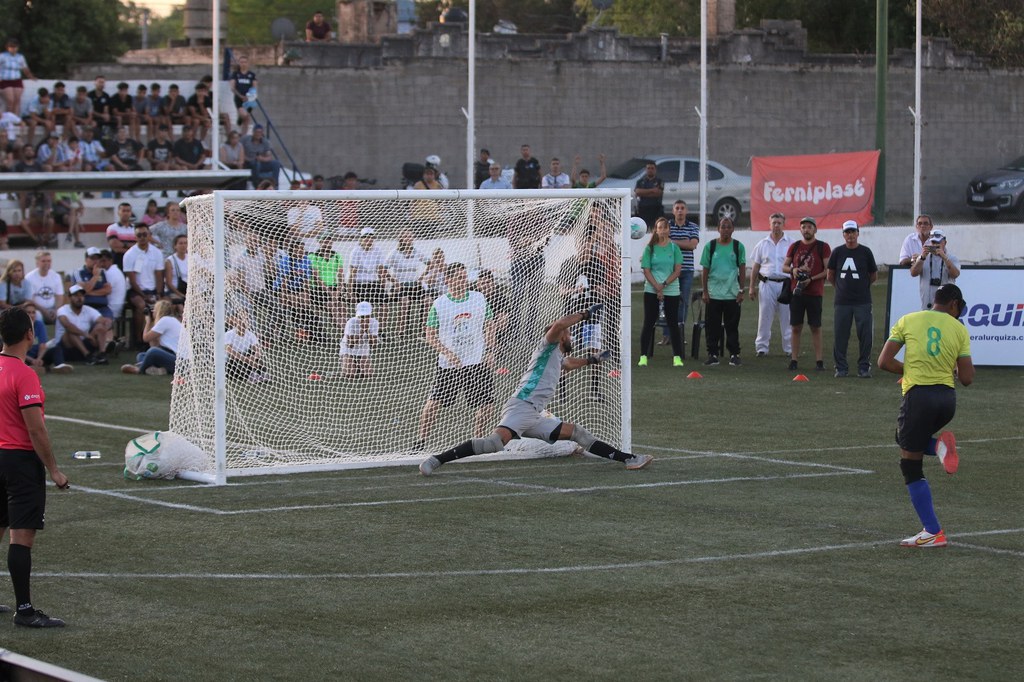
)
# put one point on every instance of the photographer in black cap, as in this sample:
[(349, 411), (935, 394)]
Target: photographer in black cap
[(934, 266)]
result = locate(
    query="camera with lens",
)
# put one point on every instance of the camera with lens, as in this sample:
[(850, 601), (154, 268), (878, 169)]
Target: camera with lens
[(935, 281), (148, 310), (802, 280)]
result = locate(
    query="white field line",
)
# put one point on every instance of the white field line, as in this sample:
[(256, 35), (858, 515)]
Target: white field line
[(992, 550), (539, 570), (836, 448), (158, 503), (99, 425)]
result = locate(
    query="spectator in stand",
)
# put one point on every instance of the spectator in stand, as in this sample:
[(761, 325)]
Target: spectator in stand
[(482, 168), (243, 83), (174, 107), (583, 180), (144, 268), (317, 29), (176, 271), (82, 330), (649, 190), (13, 68), (61, 107), (47, 287), (200, 104), (122, 106), (44, 357), (404, 266), (162, 332), (67, 212), (189, 153), (38, 112), (556, 179), (305, 221), (81, 110), (124, 151), (170, 228), (118, 283), (52, 155), (151, 215), (94, 154), (71, 153), (14, 289), (12, 125), (527, 173), (495, 181), (259, 156), (232, 153), (429, 180), (35, 206), (101, 113), (93, 280), (148, 109), (121, 234), (362, 333), (160, 150), (318, 183), (434, 161), (244, 353)]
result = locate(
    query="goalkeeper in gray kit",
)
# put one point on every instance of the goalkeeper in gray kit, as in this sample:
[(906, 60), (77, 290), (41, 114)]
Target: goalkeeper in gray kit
[(524, 415)]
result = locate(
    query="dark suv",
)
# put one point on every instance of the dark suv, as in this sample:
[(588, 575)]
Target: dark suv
[(998, 192)]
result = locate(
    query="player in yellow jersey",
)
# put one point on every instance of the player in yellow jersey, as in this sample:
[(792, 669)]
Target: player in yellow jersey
[(937, 344)]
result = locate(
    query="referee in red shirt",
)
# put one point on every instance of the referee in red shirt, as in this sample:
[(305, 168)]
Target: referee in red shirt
[(24, 451)]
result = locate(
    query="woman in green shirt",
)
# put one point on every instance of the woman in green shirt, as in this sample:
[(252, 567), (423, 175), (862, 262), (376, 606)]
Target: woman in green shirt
[(661, 262)]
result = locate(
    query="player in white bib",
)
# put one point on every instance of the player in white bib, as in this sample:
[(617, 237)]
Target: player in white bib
[(525, 414)]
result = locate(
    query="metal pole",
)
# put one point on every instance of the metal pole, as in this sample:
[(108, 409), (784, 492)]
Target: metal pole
[(220, 389), (471, 89), (917, 114), (215, 137), (703, 113), (625, 326), (881, 76)]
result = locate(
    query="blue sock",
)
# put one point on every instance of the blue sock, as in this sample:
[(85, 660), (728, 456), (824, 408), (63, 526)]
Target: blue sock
[(933, 443), (921, 498)]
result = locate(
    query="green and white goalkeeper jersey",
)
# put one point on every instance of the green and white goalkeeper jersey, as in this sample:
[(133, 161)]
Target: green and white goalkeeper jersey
[(538, 384), (460, 326)]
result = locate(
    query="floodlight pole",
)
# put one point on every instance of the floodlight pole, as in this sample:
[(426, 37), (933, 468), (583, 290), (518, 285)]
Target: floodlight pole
[(917, 112), (215, 136), (471, 90), (703, 113)]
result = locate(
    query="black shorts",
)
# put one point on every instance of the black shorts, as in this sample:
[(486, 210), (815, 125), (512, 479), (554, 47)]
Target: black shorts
[(923, 412), (810, 304), (476, 382), (22, 490)]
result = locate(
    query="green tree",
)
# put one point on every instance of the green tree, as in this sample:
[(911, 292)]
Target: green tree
[(647, 17), (529, 16), (162, 30), (991, 28), (249, 20), (55, 34)]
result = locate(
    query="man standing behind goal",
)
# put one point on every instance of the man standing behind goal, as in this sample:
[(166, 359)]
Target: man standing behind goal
[(459, 329), (525, 414)]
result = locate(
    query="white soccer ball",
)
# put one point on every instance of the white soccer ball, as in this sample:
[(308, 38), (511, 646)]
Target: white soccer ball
[(637, 227)]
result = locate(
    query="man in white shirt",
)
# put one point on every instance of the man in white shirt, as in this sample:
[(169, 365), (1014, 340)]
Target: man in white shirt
[(47, 287), (118, 284), (766, 282), (556, 179), (82, 330), (495, 181), (367, 272), (144, 268), (913, 245)]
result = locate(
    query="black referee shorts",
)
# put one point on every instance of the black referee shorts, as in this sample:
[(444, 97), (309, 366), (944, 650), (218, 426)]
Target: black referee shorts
[(923, 413), (22, 490)]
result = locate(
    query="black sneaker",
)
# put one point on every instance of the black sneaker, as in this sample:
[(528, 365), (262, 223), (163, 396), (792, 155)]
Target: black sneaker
[(37, 619), (735, 361), (711, 361), (762, 354), (100, 359), (842, 374), (110, 347), (90, 359), (864, 373), (792, 365), (819, 366)]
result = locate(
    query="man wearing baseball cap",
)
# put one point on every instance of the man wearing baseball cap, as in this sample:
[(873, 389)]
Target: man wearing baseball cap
[(852, 271), (806, 263), (93, 280), (934, 266)]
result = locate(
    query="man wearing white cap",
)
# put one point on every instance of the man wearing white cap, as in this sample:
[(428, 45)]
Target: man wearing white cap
[(361, 334), (367, 271), (852, 271), (934, 266)]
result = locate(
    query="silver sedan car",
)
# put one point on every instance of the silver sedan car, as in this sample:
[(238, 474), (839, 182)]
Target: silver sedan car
[(728, 192)]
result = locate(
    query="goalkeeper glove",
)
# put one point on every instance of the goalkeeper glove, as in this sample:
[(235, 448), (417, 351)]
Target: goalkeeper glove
[(592, 310), (599, 358)]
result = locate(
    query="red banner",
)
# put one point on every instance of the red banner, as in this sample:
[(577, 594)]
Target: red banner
[(831, 188)]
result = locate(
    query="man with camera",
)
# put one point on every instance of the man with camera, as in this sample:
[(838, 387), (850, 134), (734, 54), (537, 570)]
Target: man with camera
[(934, 266), (806, 262), (144, 268)]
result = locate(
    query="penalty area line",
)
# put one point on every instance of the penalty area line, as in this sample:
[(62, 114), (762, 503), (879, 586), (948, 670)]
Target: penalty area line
[(538, 570)]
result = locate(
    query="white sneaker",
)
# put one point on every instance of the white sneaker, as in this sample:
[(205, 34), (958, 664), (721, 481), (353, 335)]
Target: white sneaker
[(638, 462), (428, 465), (62, 368), (925, 539), (52, 343), (156, 371)]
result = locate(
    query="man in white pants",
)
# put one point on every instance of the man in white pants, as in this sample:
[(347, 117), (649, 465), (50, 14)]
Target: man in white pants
[(766, 281)]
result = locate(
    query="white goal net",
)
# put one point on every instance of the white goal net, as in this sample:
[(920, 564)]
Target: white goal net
[(313, 321)]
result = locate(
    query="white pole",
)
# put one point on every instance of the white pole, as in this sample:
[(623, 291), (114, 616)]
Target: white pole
[(471, 90), (220, 430), (625, 327), (703, 113), (917, 114), (215, 137)]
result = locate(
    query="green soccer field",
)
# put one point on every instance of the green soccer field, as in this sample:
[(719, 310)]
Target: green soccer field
[(761, 543)]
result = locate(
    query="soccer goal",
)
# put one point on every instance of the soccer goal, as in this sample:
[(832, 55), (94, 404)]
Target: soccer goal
[(310, 319)]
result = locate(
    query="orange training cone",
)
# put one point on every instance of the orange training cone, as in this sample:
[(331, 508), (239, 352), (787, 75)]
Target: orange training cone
[(800, 377), (694, 375)]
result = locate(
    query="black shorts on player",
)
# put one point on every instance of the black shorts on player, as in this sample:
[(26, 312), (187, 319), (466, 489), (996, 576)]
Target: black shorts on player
[(475, 382), (23, 490), (811, 305), (923, 412)]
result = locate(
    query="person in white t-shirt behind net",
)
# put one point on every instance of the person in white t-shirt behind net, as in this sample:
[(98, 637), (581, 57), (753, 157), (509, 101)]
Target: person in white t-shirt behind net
[(362, 333)]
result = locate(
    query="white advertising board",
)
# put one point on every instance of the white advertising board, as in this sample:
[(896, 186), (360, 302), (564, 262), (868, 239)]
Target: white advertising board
[(995, 309)]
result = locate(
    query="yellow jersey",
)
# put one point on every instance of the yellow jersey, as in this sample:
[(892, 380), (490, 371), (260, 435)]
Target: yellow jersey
[(933, 341)]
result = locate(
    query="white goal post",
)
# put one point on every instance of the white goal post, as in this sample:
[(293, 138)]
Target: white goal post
[(311, 320)]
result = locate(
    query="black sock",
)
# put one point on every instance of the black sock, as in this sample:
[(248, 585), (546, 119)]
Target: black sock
[(458, 452), (602, 449), (19, 563)]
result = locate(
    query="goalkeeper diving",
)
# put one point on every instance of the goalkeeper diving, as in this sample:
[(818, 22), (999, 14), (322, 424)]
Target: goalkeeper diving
[(524, 414)]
